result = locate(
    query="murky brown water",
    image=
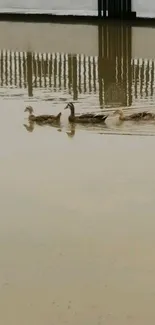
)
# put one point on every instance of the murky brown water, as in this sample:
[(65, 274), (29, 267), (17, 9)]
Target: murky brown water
[(77, 205)]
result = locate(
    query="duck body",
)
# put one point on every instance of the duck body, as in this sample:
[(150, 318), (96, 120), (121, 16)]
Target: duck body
[(42, 119), (141, 116), (86, 117)]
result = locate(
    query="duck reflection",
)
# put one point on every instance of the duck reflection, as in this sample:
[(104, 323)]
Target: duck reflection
[(31, 125), (70, 129), (73, 128)]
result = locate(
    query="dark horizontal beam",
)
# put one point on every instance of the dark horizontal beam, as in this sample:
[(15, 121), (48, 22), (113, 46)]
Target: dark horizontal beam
[(88, 20)]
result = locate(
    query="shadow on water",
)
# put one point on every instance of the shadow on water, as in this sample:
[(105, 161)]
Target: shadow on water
[(111, 79)]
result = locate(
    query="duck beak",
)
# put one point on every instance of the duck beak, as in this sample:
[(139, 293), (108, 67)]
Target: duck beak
[(66, 107), (25, 109)]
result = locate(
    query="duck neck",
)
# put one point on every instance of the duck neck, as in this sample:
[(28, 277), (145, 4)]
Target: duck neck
[(31, 116), (72, 114), (121, 115)]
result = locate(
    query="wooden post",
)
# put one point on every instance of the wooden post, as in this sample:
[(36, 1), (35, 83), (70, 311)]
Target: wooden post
[(100, 57), (29, 74), (129, 6), (75, 91), (100, 8), (105, 2), (111, 8), (115, 8), (129, 43)]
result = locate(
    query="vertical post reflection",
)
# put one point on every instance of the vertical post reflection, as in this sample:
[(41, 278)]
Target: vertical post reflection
[(114, 75), (115, 64), (29, 74)]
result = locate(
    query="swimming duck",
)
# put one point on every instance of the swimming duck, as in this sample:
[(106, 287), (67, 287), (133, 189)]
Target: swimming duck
[(42, 119), (141, 116), (86, 117)]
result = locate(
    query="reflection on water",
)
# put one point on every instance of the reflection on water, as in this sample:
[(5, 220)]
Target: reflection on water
[(31, 125), (115, 128), (77, 208), (113, 78)]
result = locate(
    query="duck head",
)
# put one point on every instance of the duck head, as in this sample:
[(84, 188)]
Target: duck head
[(29, 109), (71, 106), (118, 112)]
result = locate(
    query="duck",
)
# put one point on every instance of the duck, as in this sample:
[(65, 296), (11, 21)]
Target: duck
[(86, 117), (42, 119), (141, 116)]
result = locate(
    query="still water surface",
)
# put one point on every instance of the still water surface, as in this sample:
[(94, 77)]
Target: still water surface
[(77, 205)]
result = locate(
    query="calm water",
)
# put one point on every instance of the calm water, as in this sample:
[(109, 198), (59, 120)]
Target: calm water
[(77, 205)]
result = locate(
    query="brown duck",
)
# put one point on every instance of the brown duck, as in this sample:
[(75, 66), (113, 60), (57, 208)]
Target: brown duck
[(141, 116), (86, 117), (42, 119)]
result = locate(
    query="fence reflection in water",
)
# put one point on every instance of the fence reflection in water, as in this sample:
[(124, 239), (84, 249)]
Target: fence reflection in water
[(113, 77)]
